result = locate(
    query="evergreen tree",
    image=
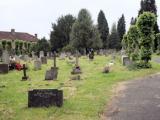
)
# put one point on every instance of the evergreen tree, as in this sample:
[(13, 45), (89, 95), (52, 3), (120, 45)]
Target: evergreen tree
[(133, 42), (83, 34), (114, 40), (150, 6), (121, 27), (60, 35), (42, 45), (103, 28), (145, 25)]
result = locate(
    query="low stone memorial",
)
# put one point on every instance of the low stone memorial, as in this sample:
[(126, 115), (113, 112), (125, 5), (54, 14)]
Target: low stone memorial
[(126, 61), (4, 68), (37, 65), (45, 98), (53, 72), (44, 60), (25, 77)]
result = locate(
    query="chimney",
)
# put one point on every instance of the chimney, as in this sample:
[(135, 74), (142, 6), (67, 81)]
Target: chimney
[(13, 31), (35, 35)]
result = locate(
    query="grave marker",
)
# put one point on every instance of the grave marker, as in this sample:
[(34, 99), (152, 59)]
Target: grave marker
[(53, 72), (4, 68), (25, 77), (41, 54), (126, 61), (44, 60), (5, 57), (45, 98), (37, 65)]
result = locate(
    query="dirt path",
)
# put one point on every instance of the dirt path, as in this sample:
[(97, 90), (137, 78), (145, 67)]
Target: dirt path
[(136, 100)]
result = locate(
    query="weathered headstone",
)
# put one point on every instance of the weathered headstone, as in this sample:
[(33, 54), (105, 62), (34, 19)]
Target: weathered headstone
[(45, 98), (4, 68), (62, 56), (5, 57), (44, 60), (76, 68), (37, 65), (53, 72), (25, 77), (126, 61), (41, 54)]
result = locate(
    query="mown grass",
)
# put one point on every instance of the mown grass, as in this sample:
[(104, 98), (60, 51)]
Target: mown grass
[(83, 100)]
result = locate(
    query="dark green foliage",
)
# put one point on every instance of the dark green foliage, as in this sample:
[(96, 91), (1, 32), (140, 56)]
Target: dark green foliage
[(158, 41), (42, 45), (133, 42), (84, 34), (150, 6), (60, 36), (121, 27), (4, 44), (114, 40), (145, 25), (103, 28)]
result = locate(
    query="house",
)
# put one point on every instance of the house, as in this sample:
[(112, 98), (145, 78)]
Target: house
[(17, 40)]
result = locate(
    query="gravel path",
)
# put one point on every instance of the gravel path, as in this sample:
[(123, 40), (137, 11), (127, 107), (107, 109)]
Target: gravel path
[(140, 100)]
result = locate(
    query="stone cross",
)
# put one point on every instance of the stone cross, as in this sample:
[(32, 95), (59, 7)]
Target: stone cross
[(77, 60), (25, 77), (54, 60)]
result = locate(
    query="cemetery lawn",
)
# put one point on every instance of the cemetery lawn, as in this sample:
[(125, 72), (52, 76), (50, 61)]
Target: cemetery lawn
[(83, 100)]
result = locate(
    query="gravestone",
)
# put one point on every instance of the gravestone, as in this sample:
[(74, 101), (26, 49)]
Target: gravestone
[(25, 77), (37, 65), (5, 57), (91, 55), (126, 61), (45, 98), (62, 56), (44, 60), (76, 68), (53, 72), (41, 54), (4, 68), (26, 58), (17, 59), (33, 54)]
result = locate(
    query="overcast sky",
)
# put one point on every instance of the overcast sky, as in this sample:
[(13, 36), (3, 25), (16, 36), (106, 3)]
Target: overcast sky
[(36, 16)]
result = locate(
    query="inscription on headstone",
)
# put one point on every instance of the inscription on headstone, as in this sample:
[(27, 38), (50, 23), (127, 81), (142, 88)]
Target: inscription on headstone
[(45, 98)]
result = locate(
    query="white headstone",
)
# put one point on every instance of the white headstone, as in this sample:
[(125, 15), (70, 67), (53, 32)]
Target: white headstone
[(41, 54)]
